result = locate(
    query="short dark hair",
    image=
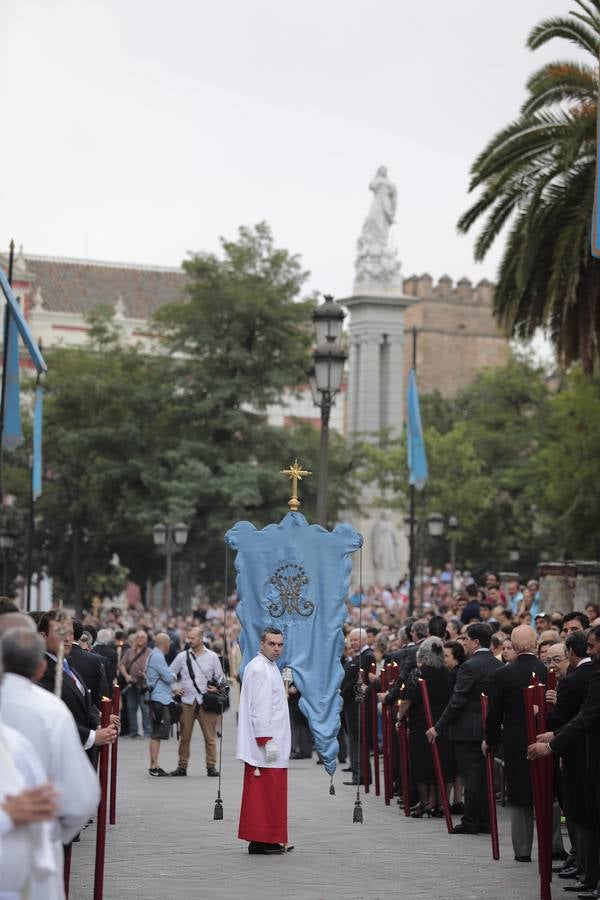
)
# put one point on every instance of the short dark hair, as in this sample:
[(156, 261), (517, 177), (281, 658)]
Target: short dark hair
[(457, 650), (51, 616), (577, 642), (595, 631), (472, 590), (372, 630), (581, 617), (437, 626), (270, 629), (77, 629), (479, 631)]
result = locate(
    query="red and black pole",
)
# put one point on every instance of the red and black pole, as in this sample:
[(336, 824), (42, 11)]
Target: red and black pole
[(435, 752), (114, 750), (364, 737), (491, 791), (101, 818), (375, 730)]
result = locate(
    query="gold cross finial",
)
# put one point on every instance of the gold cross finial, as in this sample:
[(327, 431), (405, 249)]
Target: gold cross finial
[(295, 473)]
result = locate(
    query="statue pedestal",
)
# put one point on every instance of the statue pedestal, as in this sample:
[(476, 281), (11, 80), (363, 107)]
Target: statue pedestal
[(376, 402)]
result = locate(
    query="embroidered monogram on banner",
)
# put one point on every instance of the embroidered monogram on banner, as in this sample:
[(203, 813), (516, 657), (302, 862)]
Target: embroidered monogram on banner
[(289, 580)]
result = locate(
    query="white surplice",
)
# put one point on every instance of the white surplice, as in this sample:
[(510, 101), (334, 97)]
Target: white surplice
[(263, 713), (48, 724), (26, 854)]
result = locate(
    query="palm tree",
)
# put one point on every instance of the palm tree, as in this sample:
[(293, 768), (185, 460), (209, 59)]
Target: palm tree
[(537, 176)]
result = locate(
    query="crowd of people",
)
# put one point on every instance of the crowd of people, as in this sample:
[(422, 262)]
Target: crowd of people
[(174, 670), (484, 640)]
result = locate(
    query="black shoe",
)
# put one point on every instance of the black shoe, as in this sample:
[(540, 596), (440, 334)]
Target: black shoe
[(347, 769), (158, 773), (320, 762), (573, 872), (464, 829), (578, 887), (522, 858), (212, 772), (179, 772), (589, 895), (354, 782), (561, 855), (457, 808), (256, 848)]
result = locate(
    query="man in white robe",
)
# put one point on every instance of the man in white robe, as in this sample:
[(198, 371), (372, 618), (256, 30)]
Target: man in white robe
[(263, 744), (48, 724)]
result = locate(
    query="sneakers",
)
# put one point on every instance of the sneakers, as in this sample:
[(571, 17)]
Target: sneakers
[(158, 773), (178, 772)]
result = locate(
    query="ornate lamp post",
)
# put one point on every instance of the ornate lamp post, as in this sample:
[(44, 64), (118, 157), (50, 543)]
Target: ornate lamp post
[(169, 539), (7, 542), (325, 380), (452, 528)]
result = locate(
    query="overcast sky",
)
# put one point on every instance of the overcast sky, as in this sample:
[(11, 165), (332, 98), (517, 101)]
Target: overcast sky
[(138, 130)]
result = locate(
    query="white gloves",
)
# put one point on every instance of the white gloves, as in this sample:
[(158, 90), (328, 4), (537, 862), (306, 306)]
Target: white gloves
[(271, 751)]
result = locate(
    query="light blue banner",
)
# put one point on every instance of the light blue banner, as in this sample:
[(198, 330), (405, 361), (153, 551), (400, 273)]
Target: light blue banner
[(23, 327), (36, 472), (417, 458), (296, 577), (12, 433)]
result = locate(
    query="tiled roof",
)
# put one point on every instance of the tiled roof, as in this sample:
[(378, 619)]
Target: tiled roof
[(77, 286)]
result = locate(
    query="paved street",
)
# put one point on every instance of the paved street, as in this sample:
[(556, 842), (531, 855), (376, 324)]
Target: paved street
[(166, 843)]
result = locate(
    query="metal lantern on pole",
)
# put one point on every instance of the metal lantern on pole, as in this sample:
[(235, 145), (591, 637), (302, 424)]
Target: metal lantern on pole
[(325, 379), (169, 539), (435, 524)]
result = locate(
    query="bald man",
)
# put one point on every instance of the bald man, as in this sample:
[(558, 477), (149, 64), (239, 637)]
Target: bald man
[(506, 724), (362, 657)]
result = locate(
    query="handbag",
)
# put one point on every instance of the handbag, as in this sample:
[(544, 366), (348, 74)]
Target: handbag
[(212, 701)]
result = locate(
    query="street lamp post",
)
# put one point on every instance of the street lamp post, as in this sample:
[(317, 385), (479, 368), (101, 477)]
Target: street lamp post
[(7, 542), (169, 539), (325, 380), (452, 528)]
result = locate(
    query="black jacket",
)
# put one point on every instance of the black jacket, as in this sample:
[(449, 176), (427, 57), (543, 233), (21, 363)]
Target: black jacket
[(91, 668), (80, 705), (111, 663), (506, 723), (462, 716), (360, 661)]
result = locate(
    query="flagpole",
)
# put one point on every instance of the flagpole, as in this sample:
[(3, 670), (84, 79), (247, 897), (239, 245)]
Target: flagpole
[(11, 256), (412, 560)]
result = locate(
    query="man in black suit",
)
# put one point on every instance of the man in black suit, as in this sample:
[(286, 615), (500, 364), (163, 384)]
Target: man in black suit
[(362, 659), (506, 724), (105, 647), (576, 716), (55, 627), (90, 666), (462, 720)]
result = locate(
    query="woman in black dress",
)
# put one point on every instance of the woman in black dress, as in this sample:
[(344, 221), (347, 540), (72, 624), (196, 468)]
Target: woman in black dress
[(431, 668)]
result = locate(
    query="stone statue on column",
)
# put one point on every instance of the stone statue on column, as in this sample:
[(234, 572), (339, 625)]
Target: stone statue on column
[(376, 260), (386, 560)]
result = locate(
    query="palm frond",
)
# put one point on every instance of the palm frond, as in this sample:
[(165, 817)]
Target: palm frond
[(583, 37)]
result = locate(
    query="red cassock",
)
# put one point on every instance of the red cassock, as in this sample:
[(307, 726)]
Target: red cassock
[(263, 816)]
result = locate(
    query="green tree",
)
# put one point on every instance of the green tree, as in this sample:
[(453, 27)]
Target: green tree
[(536, 177), (567, 470)]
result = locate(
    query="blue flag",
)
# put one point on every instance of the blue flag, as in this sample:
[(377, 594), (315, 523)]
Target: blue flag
[(23, 328), (36, 472), (296, 576), (12, 433), (417, 458)]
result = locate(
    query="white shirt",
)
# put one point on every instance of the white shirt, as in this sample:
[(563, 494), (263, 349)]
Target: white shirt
[(582, 661), (47, 722), (26, 854), (263, 713), (205, 666)]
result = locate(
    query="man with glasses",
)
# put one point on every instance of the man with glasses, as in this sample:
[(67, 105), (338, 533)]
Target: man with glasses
[(263, 745)]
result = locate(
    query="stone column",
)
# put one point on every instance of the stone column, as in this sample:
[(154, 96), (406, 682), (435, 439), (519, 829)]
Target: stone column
[(557, 586)]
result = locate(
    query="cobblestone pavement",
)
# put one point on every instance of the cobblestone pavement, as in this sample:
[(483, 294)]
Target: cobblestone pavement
[(166, 843)]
